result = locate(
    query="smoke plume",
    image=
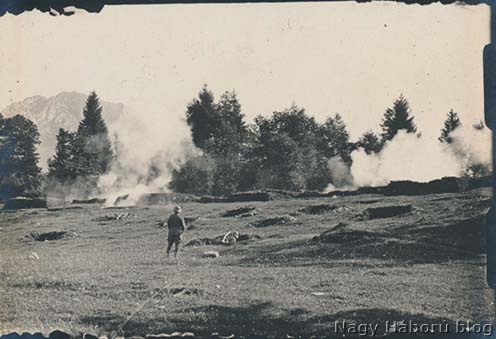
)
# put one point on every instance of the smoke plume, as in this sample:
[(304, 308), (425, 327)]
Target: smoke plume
[(147, 148), (412, 157), (340, 175)]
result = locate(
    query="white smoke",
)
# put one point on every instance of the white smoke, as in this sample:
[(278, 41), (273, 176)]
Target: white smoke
[(411, 157), (472, 146), (147, 147), (340, 174)]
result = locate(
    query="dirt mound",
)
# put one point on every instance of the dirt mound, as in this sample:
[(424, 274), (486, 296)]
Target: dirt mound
[(341, 234), (23, 202), (386, 211), (250, 196), (240, 212), (318, 209), (443, 185), (312, 194), (89, 201), (347, 236), (49, 236), (480, 182), (273, 221), (240, 197)]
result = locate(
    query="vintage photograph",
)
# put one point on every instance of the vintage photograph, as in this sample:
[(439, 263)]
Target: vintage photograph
[(245, 170)]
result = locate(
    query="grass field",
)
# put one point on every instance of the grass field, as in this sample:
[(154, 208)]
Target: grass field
[(112, 277)]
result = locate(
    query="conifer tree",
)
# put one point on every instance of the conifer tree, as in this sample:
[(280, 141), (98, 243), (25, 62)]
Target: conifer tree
[(397, 118), (370, 142), (93, 135), (62, 166), (451, 123)]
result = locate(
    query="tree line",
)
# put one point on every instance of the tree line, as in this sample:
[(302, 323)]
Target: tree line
[(80, 156), (287, 150)]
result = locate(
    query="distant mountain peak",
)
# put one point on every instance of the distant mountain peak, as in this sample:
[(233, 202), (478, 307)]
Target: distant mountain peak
[(64, 110)]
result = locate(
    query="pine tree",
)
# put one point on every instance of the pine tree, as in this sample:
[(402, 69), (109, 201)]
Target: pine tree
[(335, 139), (93, 133), (370, 142), (19, 171), (451, 123), (201, 117), (397, 118), (62, 166)]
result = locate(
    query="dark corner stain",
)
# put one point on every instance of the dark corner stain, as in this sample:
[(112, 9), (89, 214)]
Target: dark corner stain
[(57, 7)]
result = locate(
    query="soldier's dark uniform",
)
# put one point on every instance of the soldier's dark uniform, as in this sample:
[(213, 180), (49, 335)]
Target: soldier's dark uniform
[(176, 225)]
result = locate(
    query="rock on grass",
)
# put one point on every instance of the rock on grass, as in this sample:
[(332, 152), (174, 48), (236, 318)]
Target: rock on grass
[(211, 254)]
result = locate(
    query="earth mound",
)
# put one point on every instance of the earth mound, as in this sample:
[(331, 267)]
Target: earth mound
[(273, 221), (386, 211), (23, 203)]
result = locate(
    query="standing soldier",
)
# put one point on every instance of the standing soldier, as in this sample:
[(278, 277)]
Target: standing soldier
[(176, 225)]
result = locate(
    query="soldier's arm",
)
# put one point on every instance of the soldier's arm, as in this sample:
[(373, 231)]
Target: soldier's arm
[(183, 223)]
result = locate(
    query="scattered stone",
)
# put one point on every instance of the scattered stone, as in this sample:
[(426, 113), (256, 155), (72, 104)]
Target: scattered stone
[(273, 221), (240, 212), (49, 236), (211, 254), (18, 203), (116, 216), (319, 294), (33, 256), (230, 238), (387, 211), (203, 242), (185, 291)]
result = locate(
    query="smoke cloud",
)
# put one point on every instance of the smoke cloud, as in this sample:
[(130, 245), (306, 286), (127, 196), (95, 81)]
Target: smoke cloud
[(340, 175), (147, 148), (411, 157)]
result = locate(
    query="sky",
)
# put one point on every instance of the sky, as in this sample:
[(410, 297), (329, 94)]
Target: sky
[(347, 58)]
